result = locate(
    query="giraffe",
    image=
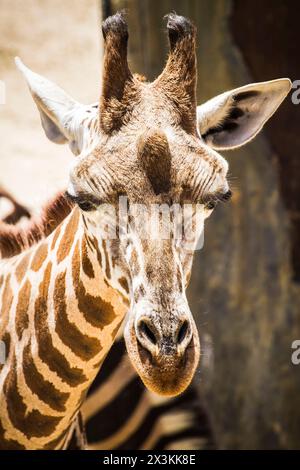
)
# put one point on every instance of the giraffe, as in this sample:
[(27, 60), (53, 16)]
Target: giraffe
[(118, 413), (65, 297)]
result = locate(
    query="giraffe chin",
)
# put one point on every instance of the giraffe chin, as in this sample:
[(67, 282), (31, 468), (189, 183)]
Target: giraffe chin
[(169, 375)]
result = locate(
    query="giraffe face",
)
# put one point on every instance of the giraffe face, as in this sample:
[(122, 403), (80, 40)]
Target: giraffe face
[(160, 333), (149, 152), (148, 144), (147, 193)]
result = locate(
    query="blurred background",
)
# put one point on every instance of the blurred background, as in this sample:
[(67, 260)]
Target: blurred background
[(245, 289)]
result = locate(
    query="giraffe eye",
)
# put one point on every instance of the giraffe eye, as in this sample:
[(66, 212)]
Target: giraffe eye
[(210, 205), (85, 204)]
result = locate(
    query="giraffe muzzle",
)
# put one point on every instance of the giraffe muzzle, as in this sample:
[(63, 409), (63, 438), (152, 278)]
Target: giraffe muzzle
[(164, 349), (161, 341)]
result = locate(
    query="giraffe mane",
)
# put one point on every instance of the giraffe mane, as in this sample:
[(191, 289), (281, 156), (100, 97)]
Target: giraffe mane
[(16, 239)]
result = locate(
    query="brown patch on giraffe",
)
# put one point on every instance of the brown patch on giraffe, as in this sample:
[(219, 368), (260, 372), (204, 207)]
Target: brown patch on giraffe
[(98, 253), (39, 257), (51, 356), (95, 310), (94, 242), (115, 330), (125, 300), (81, 345), (89, 242), (22, 267), (66, 241), (179, 280), (155, 157), (22, 319), (8, 444), (41, 387), (84, 222), (31, 423), (124, 283), (86, 262), (107, 266), (55, 237)]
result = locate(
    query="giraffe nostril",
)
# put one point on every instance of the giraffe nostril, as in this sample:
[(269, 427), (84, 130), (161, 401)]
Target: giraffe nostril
[(147, 332), (183, 330)]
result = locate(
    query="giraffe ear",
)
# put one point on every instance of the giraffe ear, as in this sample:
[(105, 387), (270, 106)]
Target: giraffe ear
[(235, 117), (58, 111)]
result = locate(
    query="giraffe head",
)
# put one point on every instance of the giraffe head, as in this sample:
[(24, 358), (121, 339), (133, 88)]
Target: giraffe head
[(150, 147)]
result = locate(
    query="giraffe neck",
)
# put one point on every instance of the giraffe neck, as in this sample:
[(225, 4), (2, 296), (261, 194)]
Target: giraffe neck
[(59, 318)]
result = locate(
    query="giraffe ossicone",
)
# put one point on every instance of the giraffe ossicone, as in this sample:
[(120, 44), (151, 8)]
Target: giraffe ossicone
[(64, 298)]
